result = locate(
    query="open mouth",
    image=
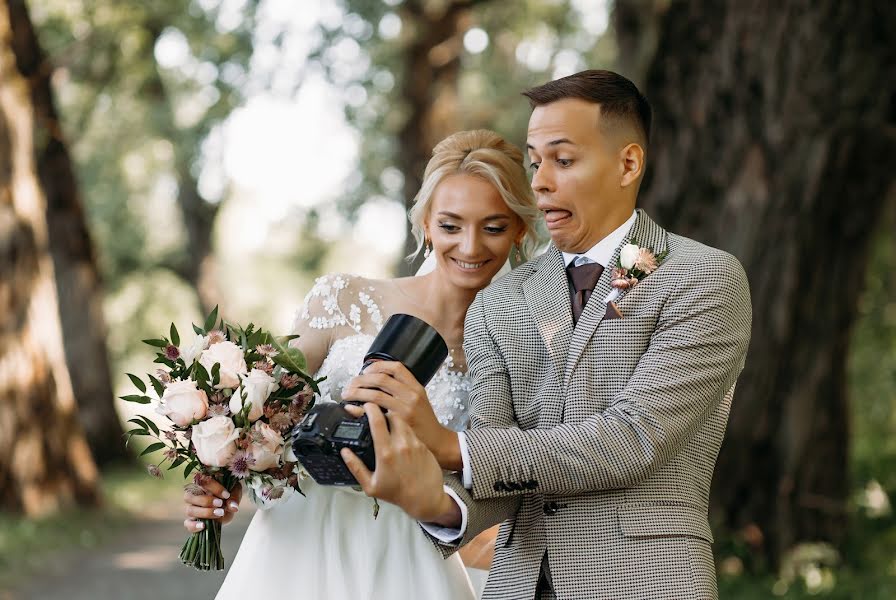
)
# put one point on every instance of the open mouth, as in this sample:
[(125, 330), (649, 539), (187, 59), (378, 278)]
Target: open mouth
[(467, 266)]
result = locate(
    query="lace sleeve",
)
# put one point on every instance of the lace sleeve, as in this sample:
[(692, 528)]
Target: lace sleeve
[(337, 306)]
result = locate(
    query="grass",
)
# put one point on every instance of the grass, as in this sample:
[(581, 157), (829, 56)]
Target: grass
[(27, 544)]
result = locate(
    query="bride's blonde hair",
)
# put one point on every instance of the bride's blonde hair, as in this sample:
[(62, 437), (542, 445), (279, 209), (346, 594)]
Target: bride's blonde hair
[(485, 154)]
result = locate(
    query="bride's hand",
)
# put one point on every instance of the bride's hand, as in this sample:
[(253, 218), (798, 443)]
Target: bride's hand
[(391, 386), (214, 502)]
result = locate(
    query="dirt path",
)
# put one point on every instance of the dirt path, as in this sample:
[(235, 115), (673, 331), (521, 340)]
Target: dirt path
[(140, 563)]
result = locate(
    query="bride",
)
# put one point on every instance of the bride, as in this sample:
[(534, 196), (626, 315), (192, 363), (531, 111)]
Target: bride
[(475, 206)]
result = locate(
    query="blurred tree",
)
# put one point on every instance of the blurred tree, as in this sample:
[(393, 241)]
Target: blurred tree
[(45, 463), (420, 78), (773, 133), (77, 277), (170, 73)]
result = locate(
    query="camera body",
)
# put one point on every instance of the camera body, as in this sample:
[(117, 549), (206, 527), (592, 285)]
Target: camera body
[(328, 428), (322, 433)]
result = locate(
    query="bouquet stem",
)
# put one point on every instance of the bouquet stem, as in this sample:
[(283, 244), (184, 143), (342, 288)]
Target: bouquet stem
[(202, 550)]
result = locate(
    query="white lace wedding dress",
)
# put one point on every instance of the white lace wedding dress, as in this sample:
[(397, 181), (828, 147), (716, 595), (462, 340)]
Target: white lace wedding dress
[(327, 545)]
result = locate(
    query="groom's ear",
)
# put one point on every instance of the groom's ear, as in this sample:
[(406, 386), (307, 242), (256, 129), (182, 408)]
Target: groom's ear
[(632, 160)]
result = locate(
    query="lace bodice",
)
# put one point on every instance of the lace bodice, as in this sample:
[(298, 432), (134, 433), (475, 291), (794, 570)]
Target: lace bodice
[(352, 310)]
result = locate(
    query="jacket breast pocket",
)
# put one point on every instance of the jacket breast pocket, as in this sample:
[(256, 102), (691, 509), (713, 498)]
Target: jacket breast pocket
[(619, 343)]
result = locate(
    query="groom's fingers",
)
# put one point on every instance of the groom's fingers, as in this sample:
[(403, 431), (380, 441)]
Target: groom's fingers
[(357, 468)]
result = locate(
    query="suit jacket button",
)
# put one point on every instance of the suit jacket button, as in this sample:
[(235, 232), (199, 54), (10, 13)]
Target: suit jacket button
[(515, 486), (550, 508)]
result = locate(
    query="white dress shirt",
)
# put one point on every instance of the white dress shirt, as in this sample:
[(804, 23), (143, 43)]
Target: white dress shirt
[(600, 253)]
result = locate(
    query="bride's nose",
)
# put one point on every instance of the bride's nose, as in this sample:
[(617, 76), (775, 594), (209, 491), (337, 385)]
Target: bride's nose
[(470, 243)]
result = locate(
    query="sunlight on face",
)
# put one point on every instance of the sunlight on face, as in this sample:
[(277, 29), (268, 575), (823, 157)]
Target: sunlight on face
[(471, 229)]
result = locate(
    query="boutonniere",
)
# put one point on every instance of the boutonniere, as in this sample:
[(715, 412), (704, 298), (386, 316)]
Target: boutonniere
[(634, 264)]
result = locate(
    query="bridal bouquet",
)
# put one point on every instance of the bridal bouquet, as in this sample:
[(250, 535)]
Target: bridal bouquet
[(231, 397)]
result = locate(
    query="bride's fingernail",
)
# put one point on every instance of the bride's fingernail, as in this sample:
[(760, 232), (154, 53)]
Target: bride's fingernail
[(217, 502), (200, 525), (225, 494), (219, 512), (234, 506)]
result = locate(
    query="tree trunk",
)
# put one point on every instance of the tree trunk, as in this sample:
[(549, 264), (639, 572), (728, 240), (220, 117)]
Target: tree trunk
[(428, 92), (77, 277), (45, 463), (774, 139)]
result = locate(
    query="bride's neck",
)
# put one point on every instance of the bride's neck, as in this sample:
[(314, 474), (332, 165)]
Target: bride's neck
[(446, 304)]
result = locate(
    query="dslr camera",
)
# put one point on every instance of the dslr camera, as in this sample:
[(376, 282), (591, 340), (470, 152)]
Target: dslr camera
[(328, 427)]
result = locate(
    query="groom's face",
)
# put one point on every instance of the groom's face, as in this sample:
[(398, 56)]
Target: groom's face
[(577, 173)]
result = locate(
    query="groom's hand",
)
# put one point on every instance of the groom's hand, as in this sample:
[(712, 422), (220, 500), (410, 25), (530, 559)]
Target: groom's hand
[(407, 474)]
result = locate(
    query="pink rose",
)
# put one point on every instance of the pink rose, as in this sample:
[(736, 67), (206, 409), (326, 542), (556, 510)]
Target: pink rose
[(230, 357), (215, 441), (266, 447), (183, 403)]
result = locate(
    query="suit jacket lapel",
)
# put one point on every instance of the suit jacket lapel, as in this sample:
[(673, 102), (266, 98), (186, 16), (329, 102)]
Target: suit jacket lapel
[(647, 234), (547, 295)]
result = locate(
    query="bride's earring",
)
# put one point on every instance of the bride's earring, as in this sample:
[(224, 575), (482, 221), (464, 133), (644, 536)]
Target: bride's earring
[(427, 250), (517, 255)]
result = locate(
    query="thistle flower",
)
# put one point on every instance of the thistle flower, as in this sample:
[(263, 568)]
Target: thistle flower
[(155, 471), (171, 352), (170, 453), (199, 478), (264, 365), (163, 376), (297, 408), (171, 436), (241, 464), (280, 422), (218, 410), (266, 350), (194, 490), (216, 336), (646, 261), (217, 398), (288, 381), (621, 283)]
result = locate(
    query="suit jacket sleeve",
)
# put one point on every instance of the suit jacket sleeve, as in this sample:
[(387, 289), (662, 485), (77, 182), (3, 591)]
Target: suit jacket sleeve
[(694, 357), (490, 380)]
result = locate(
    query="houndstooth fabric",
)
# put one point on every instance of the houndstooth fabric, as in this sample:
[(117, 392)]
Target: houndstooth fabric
[(595, 444)]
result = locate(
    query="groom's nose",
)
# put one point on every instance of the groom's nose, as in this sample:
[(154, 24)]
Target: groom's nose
[(542, 179)]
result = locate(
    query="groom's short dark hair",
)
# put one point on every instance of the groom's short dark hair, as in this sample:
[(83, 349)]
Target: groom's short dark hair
[(618, 97)]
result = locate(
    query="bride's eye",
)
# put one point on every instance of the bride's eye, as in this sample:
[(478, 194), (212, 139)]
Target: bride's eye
[(496, 229), (449, 227)]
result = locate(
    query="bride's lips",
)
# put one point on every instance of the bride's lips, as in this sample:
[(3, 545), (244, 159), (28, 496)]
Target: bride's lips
[(555, 218)]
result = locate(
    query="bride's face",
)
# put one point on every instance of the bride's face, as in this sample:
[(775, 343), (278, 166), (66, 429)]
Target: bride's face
[(472, 230)]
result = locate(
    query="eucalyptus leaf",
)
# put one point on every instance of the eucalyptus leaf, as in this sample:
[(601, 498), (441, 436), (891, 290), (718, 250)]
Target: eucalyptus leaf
[(175, 336), (152, 448), (136, 398), (137, 382), (156, 343), (211, 319)]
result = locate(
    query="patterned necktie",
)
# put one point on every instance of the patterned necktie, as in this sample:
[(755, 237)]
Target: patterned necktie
[(583, 277)]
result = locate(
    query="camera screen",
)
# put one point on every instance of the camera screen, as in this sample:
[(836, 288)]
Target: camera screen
[(348, 430)]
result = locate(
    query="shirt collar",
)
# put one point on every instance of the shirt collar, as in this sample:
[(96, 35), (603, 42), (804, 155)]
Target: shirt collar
[(602, 252)]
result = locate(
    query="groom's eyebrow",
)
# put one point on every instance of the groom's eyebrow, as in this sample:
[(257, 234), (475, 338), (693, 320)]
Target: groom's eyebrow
[(553, 143)]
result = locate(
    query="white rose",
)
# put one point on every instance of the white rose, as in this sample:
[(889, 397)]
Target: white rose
[(256, 388), (628, 256), (266, 446), (189, 353), (215, 441), (230, 357), (183, 403)]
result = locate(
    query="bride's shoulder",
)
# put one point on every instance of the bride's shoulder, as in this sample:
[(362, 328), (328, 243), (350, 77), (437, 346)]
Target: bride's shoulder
[(342, 299)]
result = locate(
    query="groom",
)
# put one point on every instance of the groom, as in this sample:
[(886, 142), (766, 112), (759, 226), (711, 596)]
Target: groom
[(600, 397)]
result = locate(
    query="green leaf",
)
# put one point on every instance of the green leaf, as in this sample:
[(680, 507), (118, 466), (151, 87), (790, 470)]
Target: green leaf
[(190, 466), (175, 337), (211, 319), (156, 343), (137, 382), (136, 398), (289, 358), (197, 330), (201, 375), (153, 448), (152, 425), (156, 385), (216, 374), (177, 462)]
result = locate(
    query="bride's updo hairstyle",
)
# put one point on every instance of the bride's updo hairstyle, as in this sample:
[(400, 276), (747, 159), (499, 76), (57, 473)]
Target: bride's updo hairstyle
[(487, 155)]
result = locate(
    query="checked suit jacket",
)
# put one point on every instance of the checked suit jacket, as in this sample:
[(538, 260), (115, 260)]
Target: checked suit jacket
[(595, 444)]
